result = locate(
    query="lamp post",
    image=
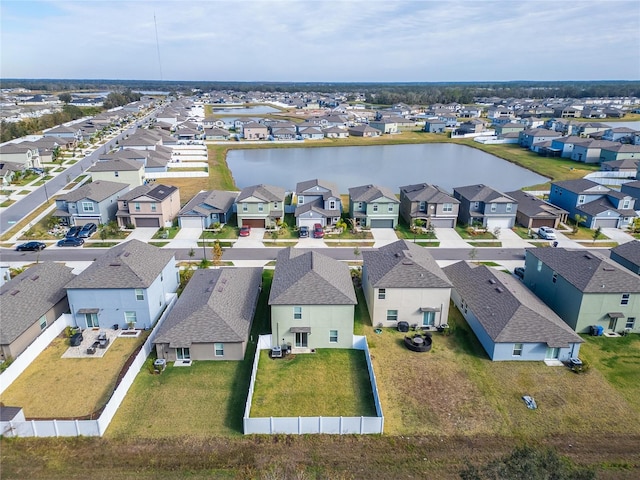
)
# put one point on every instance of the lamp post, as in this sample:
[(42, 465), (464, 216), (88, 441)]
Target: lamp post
[(204, 248), (44, 184)]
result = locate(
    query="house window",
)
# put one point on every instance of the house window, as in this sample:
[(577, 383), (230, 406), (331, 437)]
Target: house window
[(375, 207), (630, 323), (476, 204), (539, 266), (130, 318), (136, 206), (428, 318), (245, 207), (275, 204), (261, 207), (422, 207), (359, 205), (517, 349), (390, 208), (297, 313), (116, 174), (87, 207), (154, 207), (139, 294), (447, 207), (92, 320), (300, 199), (508, 207), (392, 315), (581, 199), (183, 353), (43, 322), (219, 349), (554, 278), (494, 207), (332, 205), (382, 293), (333, 336), (626, 203), (625, 299)]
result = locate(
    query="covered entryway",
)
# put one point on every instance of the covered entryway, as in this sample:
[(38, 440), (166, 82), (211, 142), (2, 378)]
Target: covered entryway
[(146, 222), (253, 222), (379, 223)]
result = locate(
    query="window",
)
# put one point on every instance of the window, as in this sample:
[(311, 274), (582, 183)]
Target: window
[(447, 207), (494, 207), (245, 207), (476, 204), (626, 203), (87, 207), (625, 299), (539, 265), (390, 208), (423, 207), (375, 207), (509, 206), (136, 206), (517, 349), (116, 174), (554, 278), (43, 322), (332, 205), (630, 323), (139, 294), (300, 199), (382, 293), (429, 318), (183, 353), (297, 313), (130, 318), (219, 349), (92, 320), (359, 205), (333, 336), (392, 315), (154, 207), (581, 199), (261, 207)]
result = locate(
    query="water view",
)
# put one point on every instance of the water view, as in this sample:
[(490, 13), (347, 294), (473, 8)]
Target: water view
[(443, 164), (242, 110)]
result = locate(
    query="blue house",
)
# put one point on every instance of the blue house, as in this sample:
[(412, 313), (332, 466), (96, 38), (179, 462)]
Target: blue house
[(485, 206), (206, 208), (510, 322), (435, 126)]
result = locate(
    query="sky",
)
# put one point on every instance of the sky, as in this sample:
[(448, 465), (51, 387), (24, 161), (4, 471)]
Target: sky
[(321, 41)]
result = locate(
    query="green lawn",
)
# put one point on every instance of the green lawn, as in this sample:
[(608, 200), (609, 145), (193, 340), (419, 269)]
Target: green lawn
[(468, 233), (166, 233), (485, 244)]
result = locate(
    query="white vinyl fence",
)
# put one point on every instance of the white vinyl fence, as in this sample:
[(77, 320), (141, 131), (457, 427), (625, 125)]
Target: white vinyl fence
[(89, 428), (303, 425)]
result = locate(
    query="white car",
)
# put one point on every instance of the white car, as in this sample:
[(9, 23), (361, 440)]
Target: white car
[(547, 233)]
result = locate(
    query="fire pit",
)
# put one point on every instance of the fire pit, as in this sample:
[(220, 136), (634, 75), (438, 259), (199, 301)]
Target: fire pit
[(420, 342)]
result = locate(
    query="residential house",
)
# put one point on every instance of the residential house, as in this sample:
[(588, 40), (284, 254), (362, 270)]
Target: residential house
[(584, 288), (119, 169), (563, 146), (482, 205), (528, 138), (508, 128), (386, 125), (628, 166), (25, 155), (619, 151), (364, 131), (429, 203), (600, 206), (474, 126), (129, 285), (628, 255), (150, 205), (510, 322), (534, 212), (402, 282), (212, 318), (589, 151), (373, 206), (8, 171), (435, 126), (207, 208), (335, 132), (311, 133), (631, 189), (254, 131), (312, 301), (95, 202), (317, 201), (260, 206), (619, 134), (216, 133), (31, 302), (73, 133)]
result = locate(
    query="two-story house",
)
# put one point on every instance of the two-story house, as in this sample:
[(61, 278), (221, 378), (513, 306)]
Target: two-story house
[(25, 155), (254, 131), (598, 205), (429, 203), (260, 206), (95, 202), (482, 205), (207, 208), (317, 201), (528, 138), (119, 169), (373, 206), (149, 206)]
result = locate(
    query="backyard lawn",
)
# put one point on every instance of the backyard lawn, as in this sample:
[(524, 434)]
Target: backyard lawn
[(56, 387)]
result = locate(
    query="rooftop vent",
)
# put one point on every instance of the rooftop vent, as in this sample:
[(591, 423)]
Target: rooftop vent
[(115, 264), (220, 288), (35, 277), (499, 289), (492, 281), (15, 292), (587, 256), (126, 254)]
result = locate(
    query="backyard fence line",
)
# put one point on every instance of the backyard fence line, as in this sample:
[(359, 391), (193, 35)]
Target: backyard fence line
[(313, 425)]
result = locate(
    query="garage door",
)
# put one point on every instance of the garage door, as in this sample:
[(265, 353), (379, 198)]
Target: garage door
[(543, 223), (443, 222), (310, 222), (190, 222), (146, 222), (254, 223), (381, 223), (606, 222), (498, 222)]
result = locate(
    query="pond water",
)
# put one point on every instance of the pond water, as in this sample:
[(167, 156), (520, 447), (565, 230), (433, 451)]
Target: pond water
[(240, 110), (392, 166)]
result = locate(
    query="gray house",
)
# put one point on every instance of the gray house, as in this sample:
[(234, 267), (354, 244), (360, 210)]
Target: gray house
[(373, 206), (260, 206), (435, 126), (429, 203), (627, 255), (312, 301), (482, 205), (212, 318), (206, 208), (534, 212), (317, 201), (584, 288), (96, 202), (528, 138), (509, 321), (30, 303)]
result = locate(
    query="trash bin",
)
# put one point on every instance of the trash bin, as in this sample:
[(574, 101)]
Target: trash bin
[(600, 330)]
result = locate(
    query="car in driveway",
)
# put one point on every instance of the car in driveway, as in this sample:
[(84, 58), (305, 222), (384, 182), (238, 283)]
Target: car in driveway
[(245, 231), (318, 232), (73, 232), (87, 230), (547, 233), (70, 242), (303, 232), (31, 247)]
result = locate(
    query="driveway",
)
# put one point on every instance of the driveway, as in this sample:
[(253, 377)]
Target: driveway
[(185, 238), (254, 240), (143, 234), (511, 239), (617, 235), (383, 236), (310, 243), (449, 238)]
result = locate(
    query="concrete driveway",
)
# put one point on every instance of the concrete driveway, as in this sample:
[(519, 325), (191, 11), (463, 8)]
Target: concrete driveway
[(449, 238), (143, 234), (186, 238), (617, 235), (254, 240), (383, 236)]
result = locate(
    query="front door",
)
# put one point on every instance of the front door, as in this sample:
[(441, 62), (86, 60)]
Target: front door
[(552, 353), (183, 353), (612, 324), (428, 319), (301, 339), (92, 320)]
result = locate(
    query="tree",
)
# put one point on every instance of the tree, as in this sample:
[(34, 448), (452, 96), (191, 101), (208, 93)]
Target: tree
[(578, 220), (217, 253), (65, 97), (597, 234), (473, 254)]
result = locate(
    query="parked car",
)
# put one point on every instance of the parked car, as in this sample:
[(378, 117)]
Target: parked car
[(73, 232), (519, 272), (87, 230), (318, 232), (31, 247), (76, 339), (303, 232), (547, 233), (245, 231), (70, 242)]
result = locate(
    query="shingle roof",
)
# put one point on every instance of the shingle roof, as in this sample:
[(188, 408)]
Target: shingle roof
[(587, 271), (629, 251), (116, 164), (369, 193), (216, 306), (302, 187), (506, 309), (132, 264), (532, 206), (156, 192), (29, 296), (210, 201), (403, 264), (603, 204), (579, 185), (482, 193), (267, 193), (310, 278), (423, 192), (96, 191)]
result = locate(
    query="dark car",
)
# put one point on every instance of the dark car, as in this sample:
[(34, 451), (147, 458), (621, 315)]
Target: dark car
[(519, 272), (76, 339), (245, 231), (73, 232), (303, 232), (70, 242), (88, 230), (318, 232), (31, 247)]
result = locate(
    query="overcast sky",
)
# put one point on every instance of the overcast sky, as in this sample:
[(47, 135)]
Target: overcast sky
[(321, 41)]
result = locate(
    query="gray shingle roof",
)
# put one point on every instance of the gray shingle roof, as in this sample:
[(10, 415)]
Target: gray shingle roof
[(29, 296), (310, 278), (132, 264), (506, 309), (156, 192), (423, 192), (210, 201), (578, 185), (97, 191), (302, 187), (589, 272), (369, 193), (629, 251), (532, 206), (267, 193), (482, 193), (116, 164), (403, 264), (216, 306), (603, 204)]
